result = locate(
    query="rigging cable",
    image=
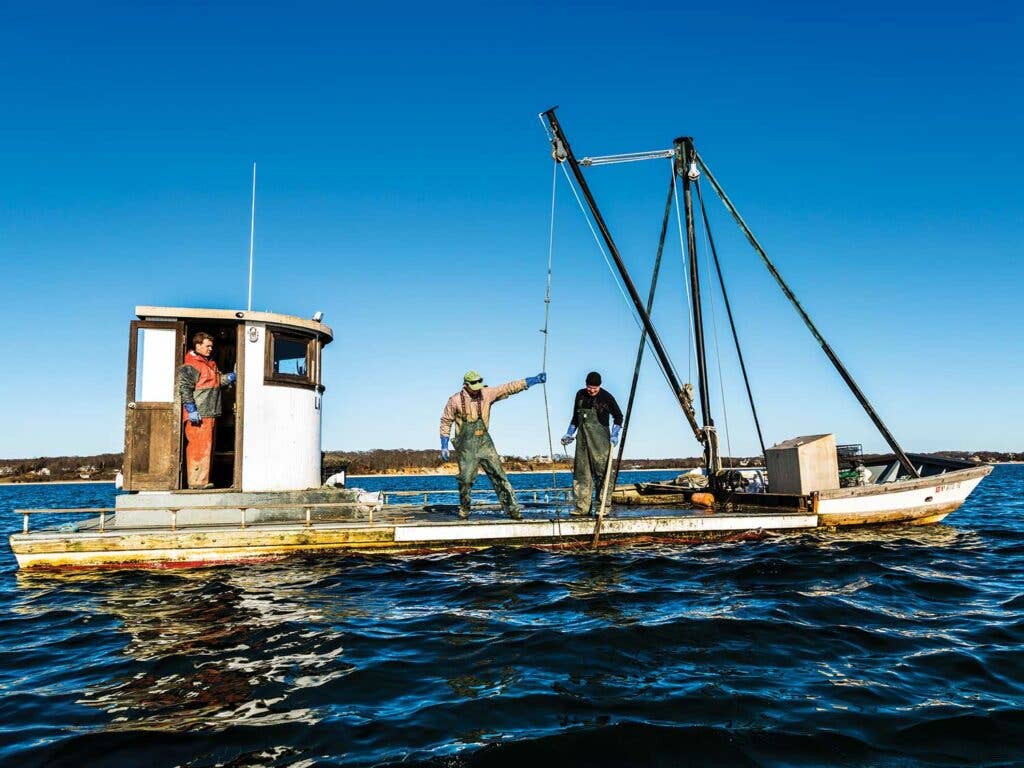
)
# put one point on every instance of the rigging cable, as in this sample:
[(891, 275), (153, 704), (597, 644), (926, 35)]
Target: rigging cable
[(732, 323), (629, 157), (908, 465), (643, 336), (714, 332), (632, 312), (547, 315), (600, 246), (691, 346)]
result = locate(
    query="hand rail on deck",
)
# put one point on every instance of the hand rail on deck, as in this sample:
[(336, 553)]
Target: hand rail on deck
[(307, 506), (452, 491)]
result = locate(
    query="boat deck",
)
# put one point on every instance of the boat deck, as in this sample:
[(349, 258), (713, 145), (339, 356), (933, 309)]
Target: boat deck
[(395, 528)]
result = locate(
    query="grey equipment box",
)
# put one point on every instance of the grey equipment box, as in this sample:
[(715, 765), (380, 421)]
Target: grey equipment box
[(802, 465)]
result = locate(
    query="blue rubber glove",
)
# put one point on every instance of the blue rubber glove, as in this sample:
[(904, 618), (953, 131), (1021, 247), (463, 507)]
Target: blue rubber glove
[(445, 453), (232, 377), (568, 437), (540, 378), (616, 429), (193, 414)]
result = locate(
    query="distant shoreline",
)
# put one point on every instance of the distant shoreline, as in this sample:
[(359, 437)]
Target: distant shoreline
[(453, 473), (446, 473), (56, 482), (378, 474)]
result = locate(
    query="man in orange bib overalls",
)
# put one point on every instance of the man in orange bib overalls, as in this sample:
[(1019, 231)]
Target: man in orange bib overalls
[(199, 383)]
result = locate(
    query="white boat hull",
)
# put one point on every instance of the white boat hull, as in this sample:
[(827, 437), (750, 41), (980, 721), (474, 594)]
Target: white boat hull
[(919, 501)]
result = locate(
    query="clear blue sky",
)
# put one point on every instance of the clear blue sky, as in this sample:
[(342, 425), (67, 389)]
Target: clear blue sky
[(404, 186)]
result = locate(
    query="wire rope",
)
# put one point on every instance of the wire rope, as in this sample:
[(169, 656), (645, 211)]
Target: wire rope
[(691, 345), (714, 331), (547, 317)]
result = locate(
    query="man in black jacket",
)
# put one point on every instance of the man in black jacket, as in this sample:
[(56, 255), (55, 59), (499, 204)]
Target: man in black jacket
[(592, 409)]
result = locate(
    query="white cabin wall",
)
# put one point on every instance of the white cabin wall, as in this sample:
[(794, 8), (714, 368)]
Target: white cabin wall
[(281, 428)]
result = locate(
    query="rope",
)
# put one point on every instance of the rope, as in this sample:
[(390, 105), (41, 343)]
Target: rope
[(547, 316)]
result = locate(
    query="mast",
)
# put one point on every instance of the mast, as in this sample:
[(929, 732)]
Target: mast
[(562, 152), (685, 166)]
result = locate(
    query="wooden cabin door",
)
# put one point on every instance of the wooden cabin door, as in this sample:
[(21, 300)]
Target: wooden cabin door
[(152, 421)]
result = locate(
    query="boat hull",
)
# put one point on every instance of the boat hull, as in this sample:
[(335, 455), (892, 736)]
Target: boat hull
[(197, 547), (919, 501)]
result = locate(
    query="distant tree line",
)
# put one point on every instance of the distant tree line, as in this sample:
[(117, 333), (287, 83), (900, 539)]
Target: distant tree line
[(55, 468), (105, 466)]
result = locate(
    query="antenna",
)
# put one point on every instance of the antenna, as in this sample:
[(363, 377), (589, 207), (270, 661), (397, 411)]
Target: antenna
[(252, 232)]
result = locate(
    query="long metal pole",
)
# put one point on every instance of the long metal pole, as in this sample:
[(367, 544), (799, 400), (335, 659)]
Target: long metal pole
[(252, 232), (684, 158), (563, 152), (857, 393), (684, 154)]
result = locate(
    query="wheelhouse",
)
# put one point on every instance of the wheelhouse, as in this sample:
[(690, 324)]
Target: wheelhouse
[(268, 435)]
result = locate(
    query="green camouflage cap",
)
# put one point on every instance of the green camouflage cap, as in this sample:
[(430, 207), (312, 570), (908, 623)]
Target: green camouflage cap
[(473, 380)]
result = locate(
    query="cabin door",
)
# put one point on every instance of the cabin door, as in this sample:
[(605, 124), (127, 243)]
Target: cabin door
[(152, 421)]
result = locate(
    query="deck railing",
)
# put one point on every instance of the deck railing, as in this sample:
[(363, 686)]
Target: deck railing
[(560, 498)]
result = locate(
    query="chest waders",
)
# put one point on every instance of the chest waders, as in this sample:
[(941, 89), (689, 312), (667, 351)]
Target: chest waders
[(474, 450), (593, 447)]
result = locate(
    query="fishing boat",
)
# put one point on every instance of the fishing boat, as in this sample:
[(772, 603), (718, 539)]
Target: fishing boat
[(270, 498)]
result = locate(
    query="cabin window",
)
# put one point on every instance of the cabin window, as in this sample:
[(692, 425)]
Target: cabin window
[(290, 359)]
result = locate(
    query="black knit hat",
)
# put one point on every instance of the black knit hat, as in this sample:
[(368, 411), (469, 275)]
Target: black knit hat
[(593, 379)]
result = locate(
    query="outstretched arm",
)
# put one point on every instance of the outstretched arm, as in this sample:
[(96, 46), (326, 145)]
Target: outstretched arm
[(447, 419)]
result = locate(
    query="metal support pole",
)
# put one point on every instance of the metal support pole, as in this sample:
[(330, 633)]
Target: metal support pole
[(563, 153), (685, 157)]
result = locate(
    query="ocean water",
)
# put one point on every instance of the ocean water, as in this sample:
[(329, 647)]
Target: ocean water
[(896, 646)]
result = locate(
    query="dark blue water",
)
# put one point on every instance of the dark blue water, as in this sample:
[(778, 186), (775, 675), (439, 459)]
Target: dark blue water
[(886, 647)]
